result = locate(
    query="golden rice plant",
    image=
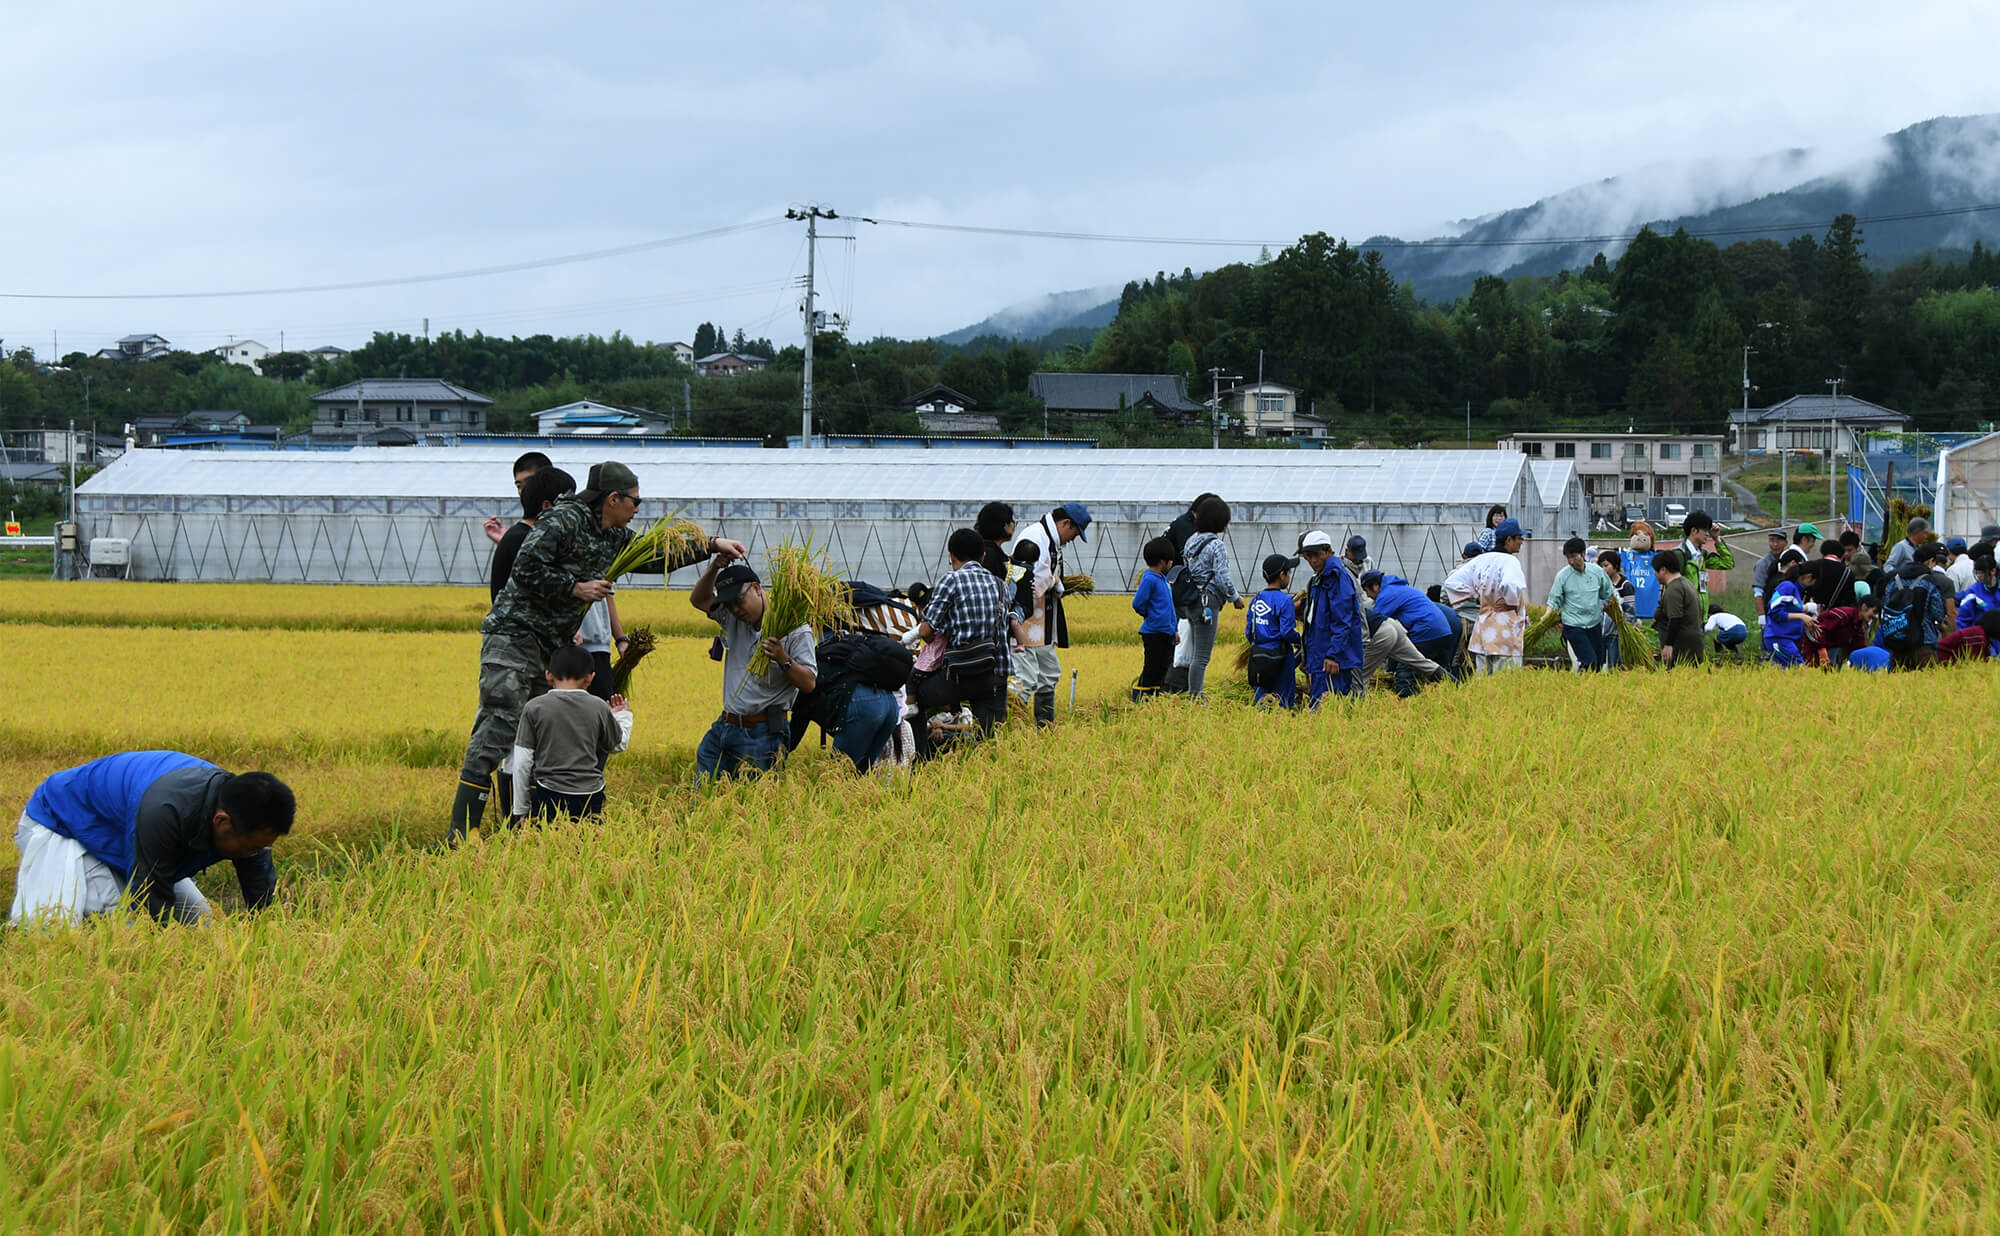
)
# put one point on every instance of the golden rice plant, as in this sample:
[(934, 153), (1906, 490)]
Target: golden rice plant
[(1635, 647), (671, 539), (640, 645), (1078, 585), (801, 589), (1542, 624)]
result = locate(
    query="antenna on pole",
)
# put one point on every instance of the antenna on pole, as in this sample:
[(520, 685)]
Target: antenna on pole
[(812, 215)]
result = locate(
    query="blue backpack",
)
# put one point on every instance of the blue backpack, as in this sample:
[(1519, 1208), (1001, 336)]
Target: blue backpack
[(1903, 610)]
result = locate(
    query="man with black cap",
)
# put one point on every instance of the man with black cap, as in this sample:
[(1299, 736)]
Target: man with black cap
[(1356, 559), (558, 574), (1038, 668), (756, 707)]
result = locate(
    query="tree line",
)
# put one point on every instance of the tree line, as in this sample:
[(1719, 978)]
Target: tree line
[(1654, 340)]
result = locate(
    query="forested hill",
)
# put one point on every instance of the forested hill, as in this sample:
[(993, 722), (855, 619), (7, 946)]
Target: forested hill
[(1920, 173)]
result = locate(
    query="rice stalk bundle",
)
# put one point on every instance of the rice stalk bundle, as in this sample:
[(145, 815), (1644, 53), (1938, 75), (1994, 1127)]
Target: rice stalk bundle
[(1078, 585), (671, 539), (1635, 648), (1542, 624), (640, 645), (801, 589)]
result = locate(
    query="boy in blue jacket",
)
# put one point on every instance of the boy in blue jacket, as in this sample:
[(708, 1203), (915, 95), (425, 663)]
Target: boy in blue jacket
[(145, 822), (1159, 626), (1271, 626), (1332, 620)]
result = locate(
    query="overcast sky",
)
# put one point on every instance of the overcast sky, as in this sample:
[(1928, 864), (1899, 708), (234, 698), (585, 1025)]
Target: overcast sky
[(203, 146)]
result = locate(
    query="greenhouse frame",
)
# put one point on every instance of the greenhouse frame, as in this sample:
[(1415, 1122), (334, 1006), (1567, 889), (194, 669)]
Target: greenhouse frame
[(1968, 488), (413, 515)]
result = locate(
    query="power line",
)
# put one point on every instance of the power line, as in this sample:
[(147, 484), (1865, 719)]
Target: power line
[(478, 272), (1445, 243)]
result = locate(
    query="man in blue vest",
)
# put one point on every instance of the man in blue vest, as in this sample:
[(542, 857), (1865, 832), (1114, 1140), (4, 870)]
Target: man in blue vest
[(144, 823)]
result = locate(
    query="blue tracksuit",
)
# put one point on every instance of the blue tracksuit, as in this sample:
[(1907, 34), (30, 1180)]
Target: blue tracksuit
[(1333, 629), (1154, 603), (1272, 622), (97, 804), (1785, 624), (1975, 601), (1420, 616)]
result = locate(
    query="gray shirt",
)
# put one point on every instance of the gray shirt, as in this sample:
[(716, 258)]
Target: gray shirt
[(569, 733), (748, 694), (594, 632)]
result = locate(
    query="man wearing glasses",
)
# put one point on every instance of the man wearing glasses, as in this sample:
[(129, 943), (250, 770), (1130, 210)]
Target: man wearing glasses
[(558, 574)]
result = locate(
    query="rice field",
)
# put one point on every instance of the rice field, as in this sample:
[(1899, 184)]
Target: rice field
[(1643, 952)]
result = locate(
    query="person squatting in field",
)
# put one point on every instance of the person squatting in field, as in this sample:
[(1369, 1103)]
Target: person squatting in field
[(559, 573), (142, 824)]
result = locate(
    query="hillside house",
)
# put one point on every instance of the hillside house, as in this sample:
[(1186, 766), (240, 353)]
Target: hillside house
[(1100, 396), (245, 352), (729, 364), (1617, 469), (944, 411), (137, 348), (418, 405), (1270, 410), (1812, 423)]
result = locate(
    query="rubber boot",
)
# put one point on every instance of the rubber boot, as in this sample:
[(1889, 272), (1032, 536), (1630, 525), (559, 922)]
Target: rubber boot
[(1142, 694), (1045, 706), (504, 783), (467, 809)]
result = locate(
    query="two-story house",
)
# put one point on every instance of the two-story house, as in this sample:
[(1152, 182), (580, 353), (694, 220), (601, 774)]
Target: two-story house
[(1270, 410), (420, 406), (1620, 468), (729, 364), (1812, 423), (137, 348), (245, 352)]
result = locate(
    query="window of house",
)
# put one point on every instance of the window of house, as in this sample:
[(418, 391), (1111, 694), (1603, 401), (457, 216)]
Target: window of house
[(1565, 450), (1635, 450), (1704, 485), (1670, 450), (1600, 450), (437, 416), (1532, 448), (1704, 450), (1270, 403), (1635, 484)]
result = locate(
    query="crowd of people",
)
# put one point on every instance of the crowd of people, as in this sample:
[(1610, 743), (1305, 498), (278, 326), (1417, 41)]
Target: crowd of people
[(934, 665)]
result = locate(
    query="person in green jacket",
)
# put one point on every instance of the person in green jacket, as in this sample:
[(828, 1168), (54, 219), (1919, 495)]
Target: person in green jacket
[(1701, 552)]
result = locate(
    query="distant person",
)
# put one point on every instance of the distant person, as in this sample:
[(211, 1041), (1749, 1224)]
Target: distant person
[(755, 723), (1832, 635), (1159, 626), (1834, 584), (1913, 614), (1678, 615), (1983, 597), (1958, 564), (1977, 642), (1332, 648), (539, 493), (143, 824), (1045, 632), (1728, 631), (1426, 622), (1915, 535), (1785, 620), (1488, 540), (565, 736), (1496, 581), (1356, 558), (1182, 526), (1579, 594), (1764, 576), (1271, 627), (1801, 549), (1628, 606), (1207, 564), (524, 467), (995, 526), (1702, 551), (964, 615)]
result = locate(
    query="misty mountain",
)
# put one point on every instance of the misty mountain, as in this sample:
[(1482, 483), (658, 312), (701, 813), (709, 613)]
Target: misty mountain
[(1032, 319), (1940, 164)]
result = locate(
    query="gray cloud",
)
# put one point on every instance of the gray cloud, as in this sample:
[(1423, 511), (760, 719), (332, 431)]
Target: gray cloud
[(216, 147)]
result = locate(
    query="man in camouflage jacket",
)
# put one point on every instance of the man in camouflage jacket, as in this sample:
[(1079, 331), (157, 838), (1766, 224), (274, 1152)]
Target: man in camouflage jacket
[(559, 574)]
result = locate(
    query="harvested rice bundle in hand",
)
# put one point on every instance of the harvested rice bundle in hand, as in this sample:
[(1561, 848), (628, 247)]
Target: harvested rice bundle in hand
[(1078, 585), (1635, 648), (800, 590), (1543, 623), (669, 539), (639, 644)]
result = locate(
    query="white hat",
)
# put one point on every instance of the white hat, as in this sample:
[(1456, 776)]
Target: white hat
[(1315, 540)]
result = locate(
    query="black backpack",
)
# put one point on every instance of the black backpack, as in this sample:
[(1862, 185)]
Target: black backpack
[(1902, 627), (1187, 591)]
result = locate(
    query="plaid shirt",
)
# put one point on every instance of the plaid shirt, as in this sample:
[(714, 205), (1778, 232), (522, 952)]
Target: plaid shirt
[(965, 606)]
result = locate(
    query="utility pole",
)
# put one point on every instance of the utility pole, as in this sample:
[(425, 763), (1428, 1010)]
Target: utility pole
[(687, 403), (1260, 394), (1833, 436), (1468, 424), (1215, 376), (812, 215)]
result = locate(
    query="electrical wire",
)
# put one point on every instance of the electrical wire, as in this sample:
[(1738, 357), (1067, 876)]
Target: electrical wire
[(1443, 243), (478, 272)]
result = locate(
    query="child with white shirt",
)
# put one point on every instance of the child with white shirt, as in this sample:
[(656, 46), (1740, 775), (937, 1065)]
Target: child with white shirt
[(1728, 631), (564, 739)]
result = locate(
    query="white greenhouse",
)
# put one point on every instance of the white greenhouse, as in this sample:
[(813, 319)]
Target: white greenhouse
[(1968, 488), (414, 514)]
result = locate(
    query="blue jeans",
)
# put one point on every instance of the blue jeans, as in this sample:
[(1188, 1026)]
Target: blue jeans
[(1287, 690), (871, 721), (731, 749), (1585, 644), (1614, 652)]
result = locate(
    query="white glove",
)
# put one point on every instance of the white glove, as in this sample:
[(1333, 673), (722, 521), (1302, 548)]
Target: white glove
[(911, 639), (1760, 622)]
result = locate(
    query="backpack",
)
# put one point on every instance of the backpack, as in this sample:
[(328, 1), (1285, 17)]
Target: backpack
[(1189, 593), (1902, 625), (846, 660)]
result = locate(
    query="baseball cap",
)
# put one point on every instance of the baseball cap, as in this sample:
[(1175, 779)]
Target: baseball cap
[(1506, 528), (1991, 532), (732, 580), (607, 476), (1776, 534), (1956, 544), (1315, 540), (1929, 551), (1078, 514), (1810, 530), (1276, 565), (1370, 577), (1471, 550), (1358, 542)]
